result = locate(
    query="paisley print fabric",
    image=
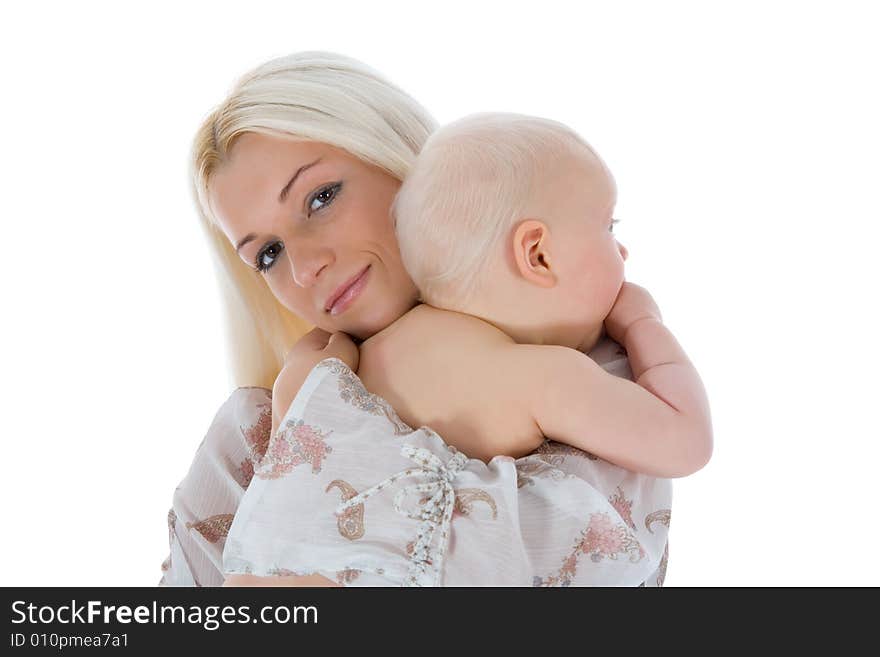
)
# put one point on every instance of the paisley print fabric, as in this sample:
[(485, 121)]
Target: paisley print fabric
[(347, 490)]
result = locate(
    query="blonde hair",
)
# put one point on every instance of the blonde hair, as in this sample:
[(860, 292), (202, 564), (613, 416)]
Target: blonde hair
[(314, 96), (471, 183)]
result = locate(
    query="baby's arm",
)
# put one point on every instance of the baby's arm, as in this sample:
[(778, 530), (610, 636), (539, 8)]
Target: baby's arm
[(575, 401), (658, 362), (658, 425)]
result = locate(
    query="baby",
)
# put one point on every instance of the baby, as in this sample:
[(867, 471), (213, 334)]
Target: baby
[(505, 226)]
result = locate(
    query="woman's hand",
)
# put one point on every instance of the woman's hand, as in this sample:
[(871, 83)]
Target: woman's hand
[(316, 345), (281, 580), (311, 349), (633, 304)]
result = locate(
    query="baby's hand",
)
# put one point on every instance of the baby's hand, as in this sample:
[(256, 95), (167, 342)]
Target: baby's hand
[(633, 303), (316, 345)]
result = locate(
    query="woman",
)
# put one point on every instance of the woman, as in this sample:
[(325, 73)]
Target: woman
[(294, 175)]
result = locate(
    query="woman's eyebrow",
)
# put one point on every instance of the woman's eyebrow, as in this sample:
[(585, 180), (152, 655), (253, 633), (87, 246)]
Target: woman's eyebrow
[(283, 195), (244, 240), (281, 198)]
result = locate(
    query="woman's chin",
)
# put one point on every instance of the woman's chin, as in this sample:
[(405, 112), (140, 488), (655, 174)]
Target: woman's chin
[(372, 320)]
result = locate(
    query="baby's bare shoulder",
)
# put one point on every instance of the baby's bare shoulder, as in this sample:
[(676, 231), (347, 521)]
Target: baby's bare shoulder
[(430, 347), (449, 329), (447, 370)]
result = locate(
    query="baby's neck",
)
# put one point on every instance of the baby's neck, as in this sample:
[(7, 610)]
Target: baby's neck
[(576, 338), (591, 339), (582, 340)]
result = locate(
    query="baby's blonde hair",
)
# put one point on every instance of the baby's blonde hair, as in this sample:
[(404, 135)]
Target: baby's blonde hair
[(469, 186), (314, 96)]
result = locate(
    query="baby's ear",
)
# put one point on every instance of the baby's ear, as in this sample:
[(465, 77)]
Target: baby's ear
[(531, 253)]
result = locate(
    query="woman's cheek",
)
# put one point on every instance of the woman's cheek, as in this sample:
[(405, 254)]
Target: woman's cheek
[(295, 303)]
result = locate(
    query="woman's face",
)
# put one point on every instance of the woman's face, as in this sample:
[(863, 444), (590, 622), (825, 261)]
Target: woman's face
[(316, 222)]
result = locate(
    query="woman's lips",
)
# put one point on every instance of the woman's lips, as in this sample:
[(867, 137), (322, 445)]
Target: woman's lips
[(350, 293)]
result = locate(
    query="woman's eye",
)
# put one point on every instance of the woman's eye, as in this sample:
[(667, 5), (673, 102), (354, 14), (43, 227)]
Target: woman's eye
[(273, 250), (611, 227), (324, 197)]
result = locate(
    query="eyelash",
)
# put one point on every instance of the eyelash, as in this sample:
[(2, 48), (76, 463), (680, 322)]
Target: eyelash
[(260, 267), (334, 188), (611, 227)]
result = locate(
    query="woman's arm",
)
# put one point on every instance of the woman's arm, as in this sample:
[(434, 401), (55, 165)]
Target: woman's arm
[(207, 498), (311, 349)]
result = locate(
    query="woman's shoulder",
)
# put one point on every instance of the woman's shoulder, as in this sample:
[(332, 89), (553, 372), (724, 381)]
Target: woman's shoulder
[(207, 498), (244, 420), (247, 394), (237, 437), (247, 399)]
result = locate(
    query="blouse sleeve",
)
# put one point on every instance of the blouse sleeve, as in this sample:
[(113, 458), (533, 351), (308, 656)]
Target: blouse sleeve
[(205, 502), (640, 502), (208, 498)]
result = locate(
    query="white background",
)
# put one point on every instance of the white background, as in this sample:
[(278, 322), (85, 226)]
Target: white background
[(744, 140)]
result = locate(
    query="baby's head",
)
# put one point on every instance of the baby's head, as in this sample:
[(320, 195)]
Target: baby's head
[(509, 218)]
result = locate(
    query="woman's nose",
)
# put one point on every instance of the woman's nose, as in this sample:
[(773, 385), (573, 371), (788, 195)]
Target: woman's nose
[(623, 251), (308, 263)]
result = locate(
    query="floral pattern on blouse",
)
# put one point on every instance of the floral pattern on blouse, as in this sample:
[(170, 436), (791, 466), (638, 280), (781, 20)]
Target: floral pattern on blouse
[(540, 484), (256, 438), (172, 521), (662, 516), (294, 444), (623, 507), (553, 453), (281, 572), (661, 573), (600, 540), (245, 472), (214, 528), (529, 469), (352, 391), (465, 498), (351, 521)]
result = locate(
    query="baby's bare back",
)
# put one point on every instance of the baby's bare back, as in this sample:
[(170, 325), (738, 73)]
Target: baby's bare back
[(428, 366)]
